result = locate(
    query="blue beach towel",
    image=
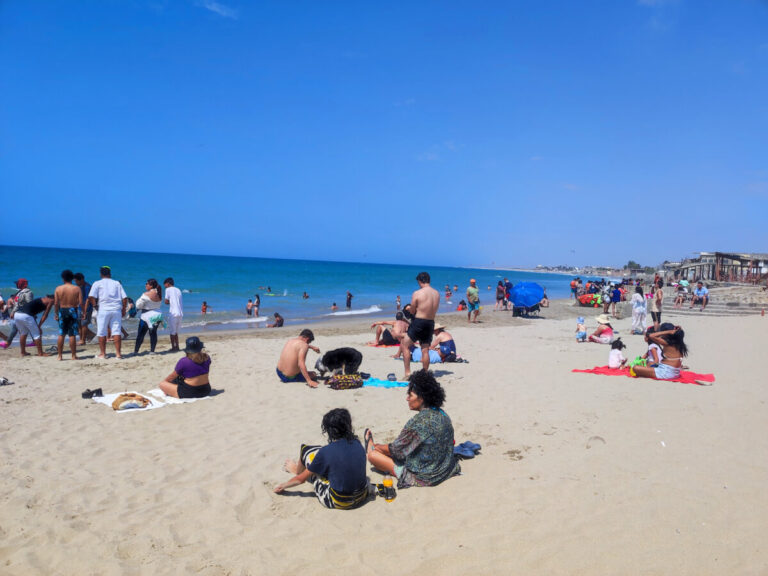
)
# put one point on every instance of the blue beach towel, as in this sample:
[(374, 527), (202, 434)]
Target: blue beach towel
[(434, 356), (377, 383)]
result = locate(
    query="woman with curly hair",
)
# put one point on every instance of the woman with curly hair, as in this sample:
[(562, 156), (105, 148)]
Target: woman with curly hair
[(422, 455), (337, 470)]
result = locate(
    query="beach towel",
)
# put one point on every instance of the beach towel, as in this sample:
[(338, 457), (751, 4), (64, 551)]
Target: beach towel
[(372, 345), (171, 400), (376, 383), (107, 400), (685, 377), (434, 356)]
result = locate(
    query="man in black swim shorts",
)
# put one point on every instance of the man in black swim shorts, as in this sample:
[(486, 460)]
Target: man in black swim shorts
[(424, 304)]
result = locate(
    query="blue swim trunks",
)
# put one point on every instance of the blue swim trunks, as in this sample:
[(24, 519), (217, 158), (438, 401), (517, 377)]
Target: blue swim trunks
[(69, 321), (447, 348), (298, 378), (473, 306)]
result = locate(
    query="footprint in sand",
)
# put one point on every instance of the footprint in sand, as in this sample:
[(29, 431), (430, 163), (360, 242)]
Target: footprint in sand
[(514, 455), (594, 441)]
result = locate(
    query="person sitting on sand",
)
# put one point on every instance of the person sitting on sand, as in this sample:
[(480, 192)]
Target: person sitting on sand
[(292, 364), (604, 332), (278, 323), (337, 470), (653, 354), (544, 300), (393, 337), (444, 344), (615, 358), (422, 455), (673, 349), (190, 377)]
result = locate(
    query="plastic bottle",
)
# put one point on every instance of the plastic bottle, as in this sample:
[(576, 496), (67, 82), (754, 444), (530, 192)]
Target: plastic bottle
[(389, 489)]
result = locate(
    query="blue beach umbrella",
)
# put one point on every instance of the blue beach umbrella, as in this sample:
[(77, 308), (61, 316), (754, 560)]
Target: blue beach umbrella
[(527, 294)]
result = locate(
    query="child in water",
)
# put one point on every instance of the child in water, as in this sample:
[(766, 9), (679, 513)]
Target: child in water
[(615, 357), (581, 330)]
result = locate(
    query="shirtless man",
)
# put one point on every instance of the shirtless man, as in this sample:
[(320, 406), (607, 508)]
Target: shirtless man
[(387, 337), (292, 365), (424, 304), (67, 311), (444, 344)]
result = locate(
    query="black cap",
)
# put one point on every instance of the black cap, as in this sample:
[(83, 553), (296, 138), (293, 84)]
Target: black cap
[(193, 345)]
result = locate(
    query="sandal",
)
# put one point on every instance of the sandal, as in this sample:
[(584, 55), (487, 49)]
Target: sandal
[(368, 437)]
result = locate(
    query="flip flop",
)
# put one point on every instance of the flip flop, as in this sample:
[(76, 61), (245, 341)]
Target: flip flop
[(471, 446), (5, 382), (391, 377), (463, 453), (366, 435)]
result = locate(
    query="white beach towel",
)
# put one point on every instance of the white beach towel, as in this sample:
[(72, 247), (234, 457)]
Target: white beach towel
[(171, 400), (107, 400)]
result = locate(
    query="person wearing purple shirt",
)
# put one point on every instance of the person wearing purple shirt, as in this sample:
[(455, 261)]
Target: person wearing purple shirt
[(190, 377)]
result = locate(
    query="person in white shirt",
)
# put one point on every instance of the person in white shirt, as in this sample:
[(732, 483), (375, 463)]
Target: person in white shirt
[(109, 298), (615, 357), (175, 312)]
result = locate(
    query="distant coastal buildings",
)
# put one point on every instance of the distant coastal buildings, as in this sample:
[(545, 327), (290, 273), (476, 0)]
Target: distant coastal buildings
[(746, 268), (734, 267)]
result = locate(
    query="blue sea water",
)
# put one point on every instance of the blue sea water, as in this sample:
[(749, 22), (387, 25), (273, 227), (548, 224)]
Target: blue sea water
[(226, 283)]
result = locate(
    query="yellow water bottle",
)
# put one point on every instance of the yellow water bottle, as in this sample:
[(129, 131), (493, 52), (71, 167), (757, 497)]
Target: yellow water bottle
[(389, 489)]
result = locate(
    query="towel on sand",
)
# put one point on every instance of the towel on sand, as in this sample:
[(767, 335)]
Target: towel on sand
[(372, 345), (685, 377), (107, 400), (156, 392), (159, 400), (376, 383)]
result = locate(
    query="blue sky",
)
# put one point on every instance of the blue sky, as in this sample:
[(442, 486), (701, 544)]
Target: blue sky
[(508, 133)]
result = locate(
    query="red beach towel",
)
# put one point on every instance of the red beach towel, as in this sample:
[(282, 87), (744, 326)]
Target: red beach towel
[(685, 377), (372, 345)]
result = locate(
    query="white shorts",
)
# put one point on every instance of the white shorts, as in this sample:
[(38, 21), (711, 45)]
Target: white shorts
[(26, 325), (174, 323), (112, 319)]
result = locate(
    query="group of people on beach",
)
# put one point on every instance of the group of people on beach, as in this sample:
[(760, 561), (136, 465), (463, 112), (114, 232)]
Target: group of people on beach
[(74, 303), (421, 455)]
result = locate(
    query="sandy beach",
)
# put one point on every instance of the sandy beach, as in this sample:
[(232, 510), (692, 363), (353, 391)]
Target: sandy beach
[(579, 474)]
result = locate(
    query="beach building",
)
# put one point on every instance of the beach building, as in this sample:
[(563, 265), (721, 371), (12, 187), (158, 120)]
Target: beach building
[(747, 268)]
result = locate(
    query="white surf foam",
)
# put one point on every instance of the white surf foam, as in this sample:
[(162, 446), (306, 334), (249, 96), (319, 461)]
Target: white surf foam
[(369, 310)]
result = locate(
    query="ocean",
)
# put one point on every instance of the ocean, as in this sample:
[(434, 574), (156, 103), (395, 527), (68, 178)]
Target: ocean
[(227, 282)]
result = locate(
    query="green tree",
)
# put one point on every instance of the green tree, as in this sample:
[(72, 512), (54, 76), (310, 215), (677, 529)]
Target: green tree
[(633, 264)]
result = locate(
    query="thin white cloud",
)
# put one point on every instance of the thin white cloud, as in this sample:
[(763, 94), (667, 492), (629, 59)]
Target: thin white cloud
[(218, 8), (536, 158), (428, 157)]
